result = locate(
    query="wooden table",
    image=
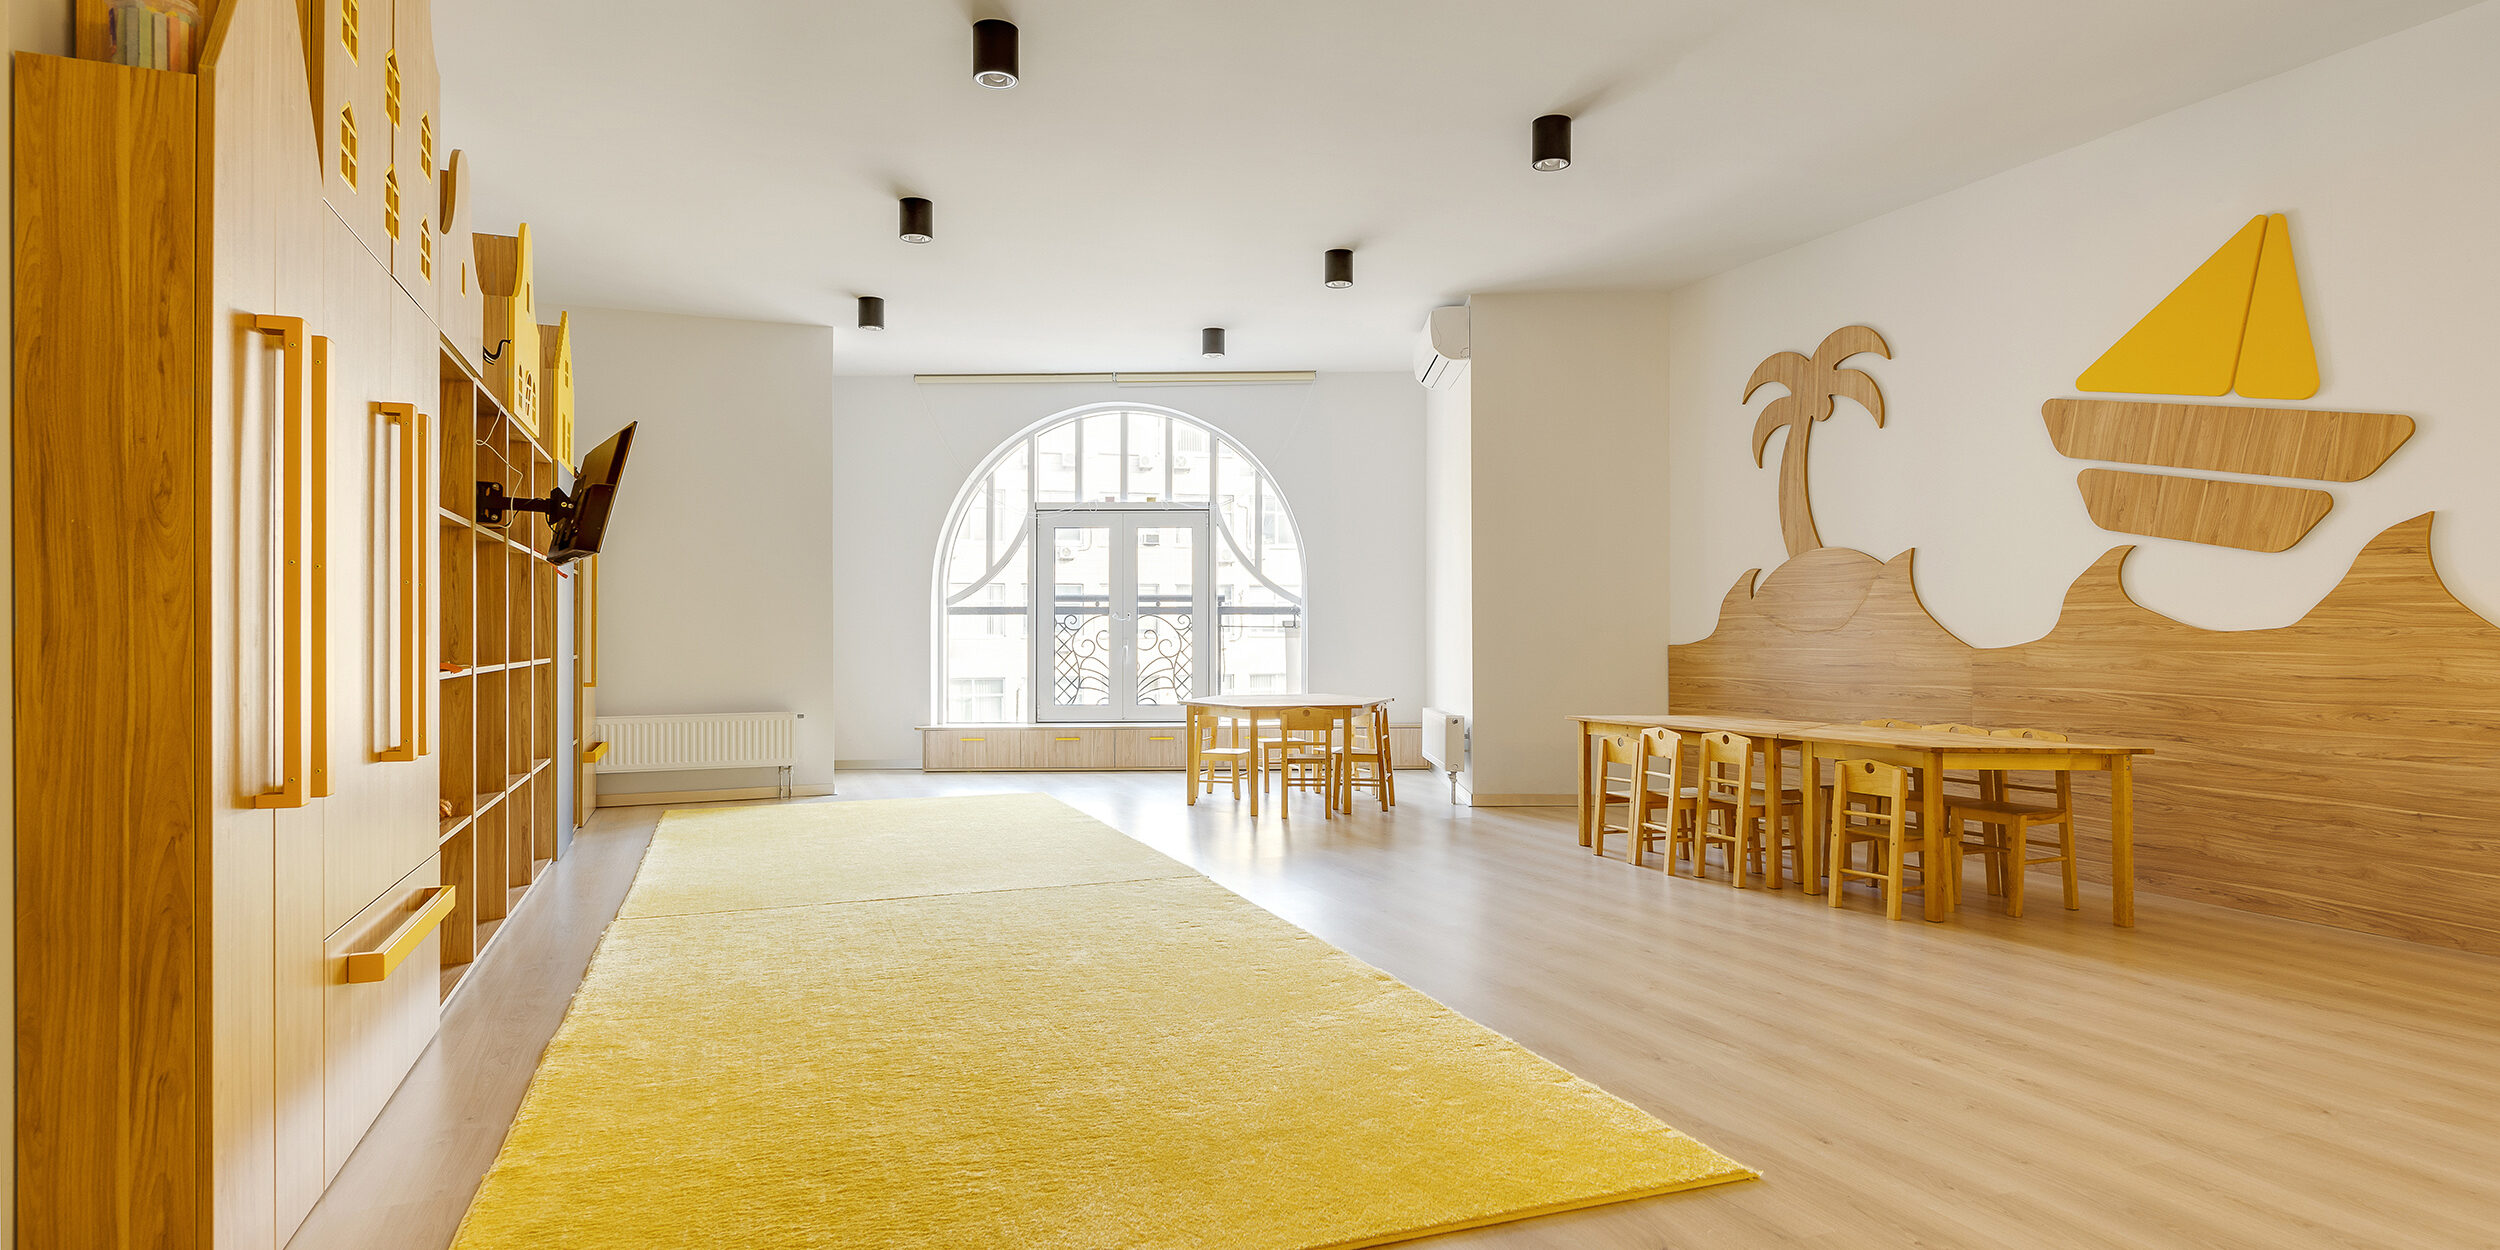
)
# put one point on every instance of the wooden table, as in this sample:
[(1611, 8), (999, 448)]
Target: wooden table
[(1254, 708), (1932, 752)]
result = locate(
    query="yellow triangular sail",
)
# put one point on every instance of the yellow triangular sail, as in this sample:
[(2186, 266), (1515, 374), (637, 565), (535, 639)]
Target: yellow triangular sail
[(2277, 359), (2190, 343)]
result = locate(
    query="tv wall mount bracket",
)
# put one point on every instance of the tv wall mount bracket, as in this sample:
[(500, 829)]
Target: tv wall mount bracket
[(494, 508)]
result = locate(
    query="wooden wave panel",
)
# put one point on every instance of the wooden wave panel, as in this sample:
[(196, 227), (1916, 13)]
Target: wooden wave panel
[(2337, 770), (2248, 515), (2223, 438)]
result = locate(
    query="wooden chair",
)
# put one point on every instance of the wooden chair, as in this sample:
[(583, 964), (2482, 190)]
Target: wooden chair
[(1613, 788), (2019, 805), (1211, 756), (1305, 757), (1365, 764), (1757, 826), (1873, 810), (1679, 832)]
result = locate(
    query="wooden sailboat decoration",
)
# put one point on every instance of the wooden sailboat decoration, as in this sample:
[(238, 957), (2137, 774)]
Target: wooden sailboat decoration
[(2237, 325)]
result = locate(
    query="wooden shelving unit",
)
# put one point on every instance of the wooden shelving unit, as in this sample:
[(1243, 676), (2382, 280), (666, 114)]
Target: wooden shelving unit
[(497, 678)]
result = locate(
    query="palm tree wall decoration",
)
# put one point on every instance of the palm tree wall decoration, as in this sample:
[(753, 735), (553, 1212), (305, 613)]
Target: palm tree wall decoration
[(1812, 385)]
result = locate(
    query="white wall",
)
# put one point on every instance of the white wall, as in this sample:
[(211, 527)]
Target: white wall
[(716, 581), (1995, 296), (1569, 451), (1347, 451), (1449, 549)]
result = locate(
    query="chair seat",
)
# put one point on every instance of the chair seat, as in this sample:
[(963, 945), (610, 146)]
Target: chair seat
[(1232, 751)]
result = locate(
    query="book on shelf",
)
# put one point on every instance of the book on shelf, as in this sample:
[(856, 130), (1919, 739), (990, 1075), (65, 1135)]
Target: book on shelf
[(147, 34)]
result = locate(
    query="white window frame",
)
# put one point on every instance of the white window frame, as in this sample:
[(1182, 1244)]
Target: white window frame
[(1247, 549)]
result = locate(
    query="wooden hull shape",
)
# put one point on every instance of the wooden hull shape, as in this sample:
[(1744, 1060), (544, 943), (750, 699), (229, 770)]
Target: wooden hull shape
[(2336, 770)]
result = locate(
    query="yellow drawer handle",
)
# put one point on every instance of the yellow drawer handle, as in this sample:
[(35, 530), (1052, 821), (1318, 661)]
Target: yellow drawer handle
[(594, 753), (366, 967), (1164, 738), (971, 739), (1067, 739)]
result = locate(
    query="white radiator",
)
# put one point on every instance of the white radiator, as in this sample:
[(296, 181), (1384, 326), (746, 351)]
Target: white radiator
[(1445, 739), (650, 744)]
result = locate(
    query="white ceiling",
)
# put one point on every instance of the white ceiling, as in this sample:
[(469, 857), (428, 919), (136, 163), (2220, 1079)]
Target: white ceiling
[(1172, 164)]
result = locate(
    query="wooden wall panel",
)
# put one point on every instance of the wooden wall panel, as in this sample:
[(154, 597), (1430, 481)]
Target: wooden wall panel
[(2272, 442), (111, 883), (2338, 770), (2252, 516)]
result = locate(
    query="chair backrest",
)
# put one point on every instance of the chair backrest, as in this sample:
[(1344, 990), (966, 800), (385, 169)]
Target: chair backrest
[(2057, 783), (1659, 746), (1887, 722), (1368, 733), (1307, 721), (1619, 749), (1950, 728), (1726, 767), (1871, 780)]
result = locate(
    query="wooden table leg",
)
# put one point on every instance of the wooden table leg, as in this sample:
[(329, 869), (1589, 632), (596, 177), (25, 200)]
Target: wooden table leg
[(1809, 838), (1582, 733), (1774, 809), (2122, 840), (1932, 832), (1258, 762), (1190, 719)]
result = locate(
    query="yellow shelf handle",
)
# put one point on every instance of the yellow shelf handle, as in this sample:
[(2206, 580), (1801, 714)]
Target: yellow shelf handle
[(367, 967), (295, 606), (594, 753)]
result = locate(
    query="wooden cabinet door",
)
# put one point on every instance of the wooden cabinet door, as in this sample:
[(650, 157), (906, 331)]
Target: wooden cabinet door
[(416, 151), (346, 59), (381, 557), (1151, 748), (374, 1030), (1070, 749), (264, 255)]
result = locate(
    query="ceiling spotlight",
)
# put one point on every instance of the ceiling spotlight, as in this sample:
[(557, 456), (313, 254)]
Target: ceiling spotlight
[(1549, 142), (1340, 268), (1211, 342), (871, 312), (919, 220), (994, 53)]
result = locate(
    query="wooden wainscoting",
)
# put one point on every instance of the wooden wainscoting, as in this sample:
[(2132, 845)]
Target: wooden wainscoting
[(1087, 748), (2337, 770)]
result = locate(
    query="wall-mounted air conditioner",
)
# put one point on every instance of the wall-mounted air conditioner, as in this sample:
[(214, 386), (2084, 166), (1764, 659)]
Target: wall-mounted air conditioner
[(1441, 352)]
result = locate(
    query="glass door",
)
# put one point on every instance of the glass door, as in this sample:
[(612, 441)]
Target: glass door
[(1127, 594)]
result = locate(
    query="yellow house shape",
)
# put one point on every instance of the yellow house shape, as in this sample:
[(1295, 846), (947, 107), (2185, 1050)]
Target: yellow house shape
[(2236, 325)]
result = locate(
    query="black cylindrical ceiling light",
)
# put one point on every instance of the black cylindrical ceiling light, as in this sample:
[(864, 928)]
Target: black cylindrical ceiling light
[(871, 312), (1549, 142), (1339, 271), (919, 220), (994, 53), (1211, 342)]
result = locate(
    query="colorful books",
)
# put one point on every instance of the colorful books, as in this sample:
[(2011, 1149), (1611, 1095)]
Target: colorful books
[(149, 34)]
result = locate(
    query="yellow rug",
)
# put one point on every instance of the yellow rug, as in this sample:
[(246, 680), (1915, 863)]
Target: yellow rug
[(1116, 1053)]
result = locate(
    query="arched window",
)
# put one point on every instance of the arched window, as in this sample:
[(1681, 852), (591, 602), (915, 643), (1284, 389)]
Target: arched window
[(1124, 530)]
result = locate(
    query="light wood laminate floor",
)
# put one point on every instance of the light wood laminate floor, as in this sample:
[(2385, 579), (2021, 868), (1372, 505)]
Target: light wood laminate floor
[(2209, 1079)]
